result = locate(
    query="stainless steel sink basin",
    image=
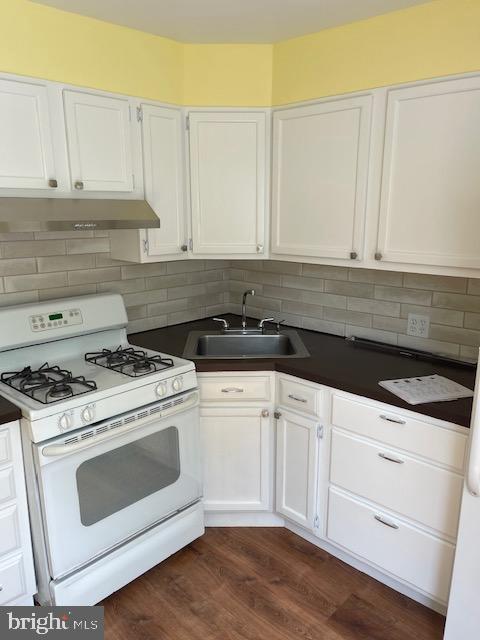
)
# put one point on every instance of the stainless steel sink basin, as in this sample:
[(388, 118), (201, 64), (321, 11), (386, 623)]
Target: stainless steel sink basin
[(286, 344)]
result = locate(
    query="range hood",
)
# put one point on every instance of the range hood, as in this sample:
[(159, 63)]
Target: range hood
[(67, 214)]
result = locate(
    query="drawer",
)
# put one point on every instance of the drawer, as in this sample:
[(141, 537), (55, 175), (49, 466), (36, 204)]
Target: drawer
[(417, 490), (440, 444), (298, 396), (9, 530), (397, 547), (5, 446), (234, 389), (12, 579), (7, 484)]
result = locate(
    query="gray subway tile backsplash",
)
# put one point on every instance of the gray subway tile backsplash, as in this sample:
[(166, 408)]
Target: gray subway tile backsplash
[(338, 300)]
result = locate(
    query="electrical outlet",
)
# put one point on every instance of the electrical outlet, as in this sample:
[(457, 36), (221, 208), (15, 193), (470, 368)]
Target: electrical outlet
[(418, 325)]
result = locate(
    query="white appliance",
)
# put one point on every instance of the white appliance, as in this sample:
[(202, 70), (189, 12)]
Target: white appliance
[(111, 445), (463, 615)]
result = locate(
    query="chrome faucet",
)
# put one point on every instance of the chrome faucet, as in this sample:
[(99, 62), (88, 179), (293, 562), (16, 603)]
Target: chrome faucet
[(250, 292)]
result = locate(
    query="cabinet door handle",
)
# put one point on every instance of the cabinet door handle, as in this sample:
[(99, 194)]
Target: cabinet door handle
[(233, 390), (391, 458), (297, 398), (78, 184), (387, 523), (265, 413), (395, 420), (52, 183)]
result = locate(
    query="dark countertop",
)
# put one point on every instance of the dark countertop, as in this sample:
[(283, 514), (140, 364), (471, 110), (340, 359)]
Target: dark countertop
[(333, 361), (8, 411)]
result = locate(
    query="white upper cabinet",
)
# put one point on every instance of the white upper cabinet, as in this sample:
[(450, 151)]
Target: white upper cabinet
[(228, 182), (430, 195), (99, 142), (26, 151), (162, 136), (320, 169)]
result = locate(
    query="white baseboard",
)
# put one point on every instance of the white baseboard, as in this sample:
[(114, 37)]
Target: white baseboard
[(243, 519), (384, 578)]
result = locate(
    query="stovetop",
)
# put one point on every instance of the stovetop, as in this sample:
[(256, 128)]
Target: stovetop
[(52, 383)]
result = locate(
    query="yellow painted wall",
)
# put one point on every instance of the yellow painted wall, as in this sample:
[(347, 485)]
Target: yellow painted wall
[(434, 39), (39, 41), (438, 38), (223, 74)]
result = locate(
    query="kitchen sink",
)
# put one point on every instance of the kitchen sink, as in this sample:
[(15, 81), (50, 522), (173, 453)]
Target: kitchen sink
[(286, 344)]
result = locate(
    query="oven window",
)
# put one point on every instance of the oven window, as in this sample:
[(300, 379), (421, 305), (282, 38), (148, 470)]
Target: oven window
[(119, 478)]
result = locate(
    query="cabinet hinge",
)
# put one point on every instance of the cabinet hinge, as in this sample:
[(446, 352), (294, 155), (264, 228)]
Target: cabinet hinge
[(145, 245), (190, 244), (320, 431), (316, 522), (187, 123), (139, 114)]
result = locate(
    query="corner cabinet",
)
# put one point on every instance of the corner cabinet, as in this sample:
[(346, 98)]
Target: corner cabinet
[(430, 193), (228, 177), (320, 171), (163, 168), (236, 446)]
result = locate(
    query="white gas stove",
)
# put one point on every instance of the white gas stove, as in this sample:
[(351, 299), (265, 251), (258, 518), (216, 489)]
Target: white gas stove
[(111, 446)]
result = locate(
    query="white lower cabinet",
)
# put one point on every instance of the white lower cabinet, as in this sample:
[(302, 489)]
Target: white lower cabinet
[(297, 455), (413, 488), (370, 481), (392, 544), (236, 450), (17, 576)]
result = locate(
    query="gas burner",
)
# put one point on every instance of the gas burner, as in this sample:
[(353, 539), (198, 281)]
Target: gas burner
[(47, 384), (60, 391), (129, 361)]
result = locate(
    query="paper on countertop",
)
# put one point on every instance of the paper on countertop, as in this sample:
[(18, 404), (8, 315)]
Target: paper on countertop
[(425, 389)]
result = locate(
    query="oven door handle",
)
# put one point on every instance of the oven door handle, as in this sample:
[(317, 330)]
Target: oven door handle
[(57, 450)]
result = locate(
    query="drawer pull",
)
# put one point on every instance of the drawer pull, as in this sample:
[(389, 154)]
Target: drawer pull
[(391, 458), (395, 420), (292, 397), (233, 390), (387, 523)]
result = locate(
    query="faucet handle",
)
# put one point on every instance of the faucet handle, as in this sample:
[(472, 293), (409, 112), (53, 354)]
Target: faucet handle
[(262, 322), (225, 323), (279, 322)]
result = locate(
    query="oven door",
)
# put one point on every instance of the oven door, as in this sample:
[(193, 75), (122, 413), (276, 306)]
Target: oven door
[(116, 479)]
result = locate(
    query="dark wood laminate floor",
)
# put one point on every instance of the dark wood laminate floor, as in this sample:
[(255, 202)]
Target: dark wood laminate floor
[(262, 584)]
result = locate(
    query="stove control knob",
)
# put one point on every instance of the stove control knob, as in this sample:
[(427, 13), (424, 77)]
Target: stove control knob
[(161, 390), (88, 414), (64, 422), (177, 384)]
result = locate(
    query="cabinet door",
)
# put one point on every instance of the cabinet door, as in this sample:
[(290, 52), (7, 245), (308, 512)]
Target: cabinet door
[(162, 136), (227, 167), (430, 199), (320, 166), (297, 454), (26, 151), (236, 445), (99, 142)]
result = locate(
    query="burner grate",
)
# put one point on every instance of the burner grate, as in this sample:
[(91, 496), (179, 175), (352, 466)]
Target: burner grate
[(129, 361), (47, 384)]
